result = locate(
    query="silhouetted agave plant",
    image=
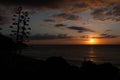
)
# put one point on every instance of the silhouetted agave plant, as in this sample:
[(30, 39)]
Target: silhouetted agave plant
[(0, 30), (20, 26)]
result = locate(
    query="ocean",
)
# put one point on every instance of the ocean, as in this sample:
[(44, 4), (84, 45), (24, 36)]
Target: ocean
[(75, 54)]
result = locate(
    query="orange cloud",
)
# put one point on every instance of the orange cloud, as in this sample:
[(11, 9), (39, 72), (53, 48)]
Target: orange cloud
[(114, 1)]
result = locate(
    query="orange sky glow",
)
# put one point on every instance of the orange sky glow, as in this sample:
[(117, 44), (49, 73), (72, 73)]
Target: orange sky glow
[(73, 42)]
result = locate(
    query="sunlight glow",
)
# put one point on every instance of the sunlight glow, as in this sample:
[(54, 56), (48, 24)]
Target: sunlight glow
[(92, 41)]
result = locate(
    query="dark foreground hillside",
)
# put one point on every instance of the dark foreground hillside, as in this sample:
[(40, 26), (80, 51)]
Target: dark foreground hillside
[(15, 65)]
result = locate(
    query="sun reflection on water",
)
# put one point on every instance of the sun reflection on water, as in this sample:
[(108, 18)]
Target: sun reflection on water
[(91, 55)]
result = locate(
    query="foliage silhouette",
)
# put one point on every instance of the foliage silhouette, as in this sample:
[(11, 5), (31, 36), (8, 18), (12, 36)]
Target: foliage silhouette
[(20, 29)]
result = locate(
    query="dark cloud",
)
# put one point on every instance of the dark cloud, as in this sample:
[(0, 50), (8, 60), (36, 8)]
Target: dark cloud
[(77, 5), (67, 16), (48, 36), (60, 25), (84, 37), (80, 7), (71, 5), (108, 36), (1, 20), (49, 20), (51, 3), (80, 29), (108, 30), (110, 12), (38, 3), (102, 36), (3, 17)]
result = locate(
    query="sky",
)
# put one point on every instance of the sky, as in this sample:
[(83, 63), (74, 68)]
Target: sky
[(66, 21)]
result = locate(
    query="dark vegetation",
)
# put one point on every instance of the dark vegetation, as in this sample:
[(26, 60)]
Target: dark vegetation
[(12, 64)]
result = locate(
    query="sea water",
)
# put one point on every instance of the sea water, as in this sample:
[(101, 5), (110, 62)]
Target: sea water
[(75, 54)]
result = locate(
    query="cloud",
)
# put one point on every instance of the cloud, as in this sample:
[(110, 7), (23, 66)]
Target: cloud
[(108, 30), (77, 5), (86, 36), (108, 36), (60, 25), (110, 12), (66, 16), (3, 17), (102, 36), (81, 5), (71, 6), (113, 1), (80, 29), (105, 35), (49, 20), (49, 3), (38, 3), (48, 36), (2, 21)]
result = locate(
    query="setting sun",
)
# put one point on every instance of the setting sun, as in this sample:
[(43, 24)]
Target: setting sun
[(91, 41)]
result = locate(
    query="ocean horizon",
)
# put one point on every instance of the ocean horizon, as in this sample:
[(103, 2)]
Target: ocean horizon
[(75, 54)]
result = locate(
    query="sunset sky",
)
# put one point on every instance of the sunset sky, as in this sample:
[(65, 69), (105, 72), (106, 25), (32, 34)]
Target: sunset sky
[(67, 21)]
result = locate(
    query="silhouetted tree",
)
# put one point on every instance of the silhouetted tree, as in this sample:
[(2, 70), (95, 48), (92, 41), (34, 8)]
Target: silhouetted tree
[(0, 30), (20, 28)]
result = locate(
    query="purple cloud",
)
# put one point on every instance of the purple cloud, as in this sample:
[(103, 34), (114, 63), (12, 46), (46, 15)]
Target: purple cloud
[(80, 29), (60, 25), (48, 36), (110, 12), (67, 16), (49, 20)]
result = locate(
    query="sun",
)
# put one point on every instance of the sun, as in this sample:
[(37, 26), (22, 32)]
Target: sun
[(92, 41)]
